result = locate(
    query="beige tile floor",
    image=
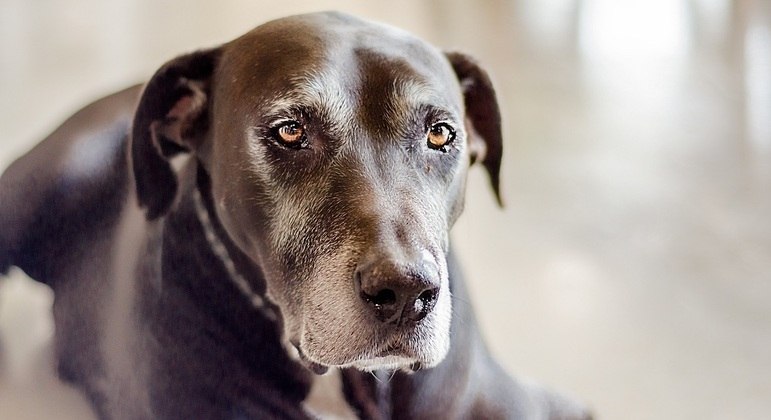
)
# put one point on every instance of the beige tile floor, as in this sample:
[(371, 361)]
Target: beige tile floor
[(632, 264)]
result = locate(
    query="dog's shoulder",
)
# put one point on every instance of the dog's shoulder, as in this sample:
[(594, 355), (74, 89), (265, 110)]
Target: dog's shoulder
[(66, 187)]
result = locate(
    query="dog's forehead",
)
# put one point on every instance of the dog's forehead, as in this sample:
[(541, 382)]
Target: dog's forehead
[(338, 62)]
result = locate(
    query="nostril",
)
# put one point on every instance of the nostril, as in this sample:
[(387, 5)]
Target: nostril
[(384, 302), (423, 304), (384, 297), (427, 296)]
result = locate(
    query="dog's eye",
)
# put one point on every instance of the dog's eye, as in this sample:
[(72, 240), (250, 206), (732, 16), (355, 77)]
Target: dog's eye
[(440, 135), (290, 133)]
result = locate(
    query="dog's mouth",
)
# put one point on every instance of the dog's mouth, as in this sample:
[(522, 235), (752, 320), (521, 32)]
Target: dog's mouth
[(388, 360), (388, 357), (314, 367)]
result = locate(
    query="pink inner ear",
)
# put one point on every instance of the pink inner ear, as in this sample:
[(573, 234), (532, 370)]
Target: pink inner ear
[(477, 146), (180, 119), (187, 106)]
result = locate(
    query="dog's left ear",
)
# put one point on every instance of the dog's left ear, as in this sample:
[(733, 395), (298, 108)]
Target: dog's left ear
[(172, 117), (483, 118)]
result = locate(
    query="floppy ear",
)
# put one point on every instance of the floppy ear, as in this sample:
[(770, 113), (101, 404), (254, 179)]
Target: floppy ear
[(483, 118), (172, 117)]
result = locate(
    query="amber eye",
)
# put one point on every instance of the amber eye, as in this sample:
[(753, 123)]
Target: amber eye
[(290, 133), (440, 135)]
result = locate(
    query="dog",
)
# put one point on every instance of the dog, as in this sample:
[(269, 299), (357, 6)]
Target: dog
[(262, 231)]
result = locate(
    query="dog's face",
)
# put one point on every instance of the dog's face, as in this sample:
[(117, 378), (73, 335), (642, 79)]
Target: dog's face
[(337, 151)]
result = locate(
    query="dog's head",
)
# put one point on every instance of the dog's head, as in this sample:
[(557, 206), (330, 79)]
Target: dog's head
[(337, 151)]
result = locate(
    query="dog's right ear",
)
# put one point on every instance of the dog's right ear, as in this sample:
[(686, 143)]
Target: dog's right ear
[(172, 117), (483, 114)]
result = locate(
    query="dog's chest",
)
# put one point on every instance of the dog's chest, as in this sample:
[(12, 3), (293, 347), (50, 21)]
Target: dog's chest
[(326, 399)]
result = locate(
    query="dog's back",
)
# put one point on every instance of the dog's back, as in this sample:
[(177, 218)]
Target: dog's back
[(60, 203), (65, 189)]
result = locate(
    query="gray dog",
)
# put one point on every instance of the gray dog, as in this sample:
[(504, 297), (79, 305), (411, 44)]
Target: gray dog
[(261, 213)]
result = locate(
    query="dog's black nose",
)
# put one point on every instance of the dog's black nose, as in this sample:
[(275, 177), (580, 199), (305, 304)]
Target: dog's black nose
[(398, 292)]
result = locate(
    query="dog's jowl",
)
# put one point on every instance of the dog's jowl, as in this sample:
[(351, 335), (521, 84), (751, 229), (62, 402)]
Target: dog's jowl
[(265, 218)]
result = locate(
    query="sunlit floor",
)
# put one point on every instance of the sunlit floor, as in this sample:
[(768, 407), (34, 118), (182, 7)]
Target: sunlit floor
[(631, 265)]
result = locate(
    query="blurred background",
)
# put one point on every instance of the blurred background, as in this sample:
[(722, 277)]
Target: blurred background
[(631, 265)]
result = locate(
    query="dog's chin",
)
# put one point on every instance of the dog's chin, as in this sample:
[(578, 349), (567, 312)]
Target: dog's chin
[(388, 363), (391, 357)]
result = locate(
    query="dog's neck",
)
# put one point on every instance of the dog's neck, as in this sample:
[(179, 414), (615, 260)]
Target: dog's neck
[(212, 292), (240, 271), (218, 247)]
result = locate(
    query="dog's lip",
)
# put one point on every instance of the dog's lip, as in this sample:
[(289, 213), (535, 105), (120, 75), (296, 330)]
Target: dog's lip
[(389, 350), (387, 362), (314, 367), (388, 356)]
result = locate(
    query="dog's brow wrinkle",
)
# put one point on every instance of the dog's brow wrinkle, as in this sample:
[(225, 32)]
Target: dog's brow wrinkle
[(411, 95), (321, 91), (412, 92)]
